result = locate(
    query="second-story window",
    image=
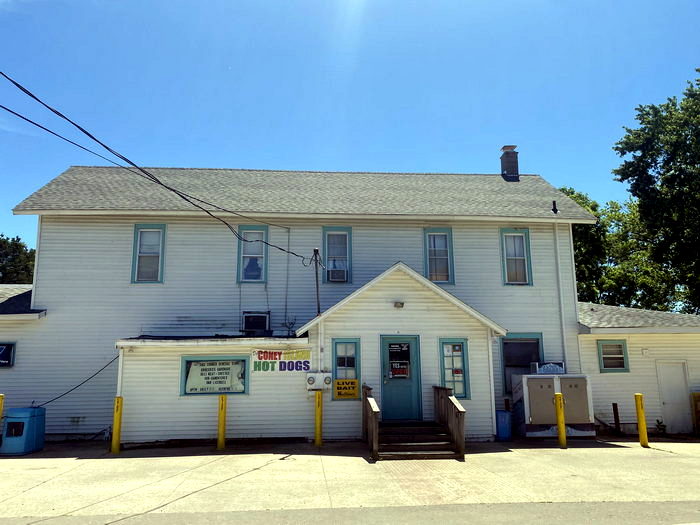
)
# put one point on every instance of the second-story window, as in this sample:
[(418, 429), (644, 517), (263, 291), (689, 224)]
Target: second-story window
[(149, 243), (337, 253), (516, 256), (438, 255), (252, 254)]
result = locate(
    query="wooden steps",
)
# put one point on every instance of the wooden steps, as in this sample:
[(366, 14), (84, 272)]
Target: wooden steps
[(415, 440)]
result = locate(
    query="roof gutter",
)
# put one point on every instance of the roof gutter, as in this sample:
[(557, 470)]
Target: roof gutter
[(389, 216)]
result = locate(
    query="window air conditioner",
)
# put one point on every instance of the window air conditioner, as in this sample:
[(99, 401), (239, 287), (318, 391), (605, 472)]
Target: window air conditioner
[(337, 276)]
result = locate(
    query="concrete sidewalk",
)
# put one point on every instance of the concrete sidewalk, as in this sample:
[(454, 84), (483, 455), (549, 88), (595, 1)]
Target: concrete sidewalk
[(83, 481)]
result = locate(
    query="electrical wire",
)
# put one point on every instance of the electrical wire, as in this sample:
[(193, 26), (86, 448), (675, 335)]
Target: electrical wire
[(146, 174), (79, 384)]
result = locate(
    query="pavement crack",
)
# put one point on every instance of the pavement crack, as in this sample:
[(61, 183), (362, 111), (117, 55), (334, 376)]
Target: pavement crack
[(179, 498), (129, 491), (48, 480), (325, 479)]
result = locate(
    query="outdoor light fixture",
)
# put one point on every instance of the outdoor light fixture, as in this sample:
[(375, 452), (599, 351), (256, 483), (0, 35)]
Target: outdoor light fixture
[(398, 304), (327, 380)]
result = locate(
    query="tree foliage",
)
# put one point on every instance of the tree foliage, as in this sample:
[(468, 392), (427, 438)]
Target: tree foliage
[(16, 261), (662, 166), (613, 258)]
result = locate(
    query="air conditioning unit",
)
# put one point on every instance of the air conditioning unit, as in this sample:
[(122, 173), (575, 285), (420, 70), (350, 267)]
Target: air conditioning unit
[(337, 276), (256, 324)]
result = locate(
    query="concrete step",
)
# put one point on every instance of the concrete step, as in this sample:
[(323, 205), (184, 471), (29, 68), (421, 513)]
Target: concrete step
[(422, 454), (413, 438), (415, 447), (410, 430)]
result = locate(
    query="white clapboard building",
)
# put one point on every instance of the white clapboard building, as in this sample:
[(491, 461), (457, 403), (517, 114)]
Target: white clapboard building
[(427, 279)]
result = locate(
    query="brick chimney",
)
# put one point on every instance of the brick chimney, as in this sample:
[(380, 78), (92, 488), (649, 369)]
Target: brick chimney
[(509, 163)]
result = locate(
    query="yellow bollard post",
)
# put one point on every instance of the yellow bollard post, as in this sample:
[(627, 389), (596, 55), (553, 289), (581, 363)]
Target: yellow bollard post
[(561, 423), (641, 420), (221, 434), (2, 406), (318, 437), (117, 425)]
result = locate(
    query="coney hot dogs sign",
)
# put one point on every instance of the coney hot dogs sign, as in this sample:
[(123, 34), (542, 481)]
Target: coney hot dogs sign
[(284, 361)]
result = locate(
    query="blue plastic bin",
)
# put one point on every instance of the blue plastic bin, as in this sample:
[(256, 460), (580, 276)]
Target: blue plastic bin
[(23, 431), (504, 425)]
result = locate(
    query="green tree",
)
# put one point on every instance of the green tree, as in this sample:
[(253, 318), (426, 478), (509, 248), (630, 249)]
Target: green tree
[(613, 258), (16, 261), (589, 249), (662, 166)]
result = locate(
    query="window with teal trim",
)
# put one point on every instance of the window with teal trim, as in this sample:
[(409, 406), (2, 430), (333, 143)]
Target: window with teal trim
[(252, 254), (337, 254), (346, 359), (149, 246), (515, 245), (612, 356), (439, 266), (455, 366)]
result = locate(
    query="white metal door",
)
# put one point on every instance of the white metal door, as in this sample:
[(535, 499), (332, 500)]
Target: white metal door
[(674, 394)]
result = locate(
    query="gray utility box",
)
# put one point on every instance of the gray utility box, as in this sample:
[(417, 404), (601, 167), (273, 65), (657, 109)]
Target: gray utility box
[(533, 405)]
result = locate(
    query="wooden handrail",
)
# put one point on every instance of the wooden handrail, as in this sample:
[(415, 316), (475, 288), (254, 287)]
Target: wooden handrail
[(370, 421), (450, 412)]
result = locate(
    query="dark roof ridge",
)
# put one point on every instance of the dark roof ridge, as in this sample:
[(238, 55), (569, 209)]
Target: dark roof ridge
[(267, 170)]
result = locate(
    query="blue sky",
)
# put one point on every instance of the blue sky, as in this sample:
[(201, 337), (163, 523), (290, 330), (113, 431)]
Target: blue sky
[(378, 85)]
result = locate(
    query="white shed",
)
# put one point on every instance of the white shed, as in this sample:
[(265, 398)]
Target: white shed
[(630, 350)]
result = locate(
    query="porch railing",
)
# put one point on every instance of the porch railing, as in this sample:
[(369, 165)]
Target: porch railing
[(450, 412), (370, 421)]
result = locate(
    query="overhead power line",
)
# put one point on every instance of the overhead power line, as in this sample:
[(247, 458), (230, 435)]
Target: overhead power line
[(142, 172)]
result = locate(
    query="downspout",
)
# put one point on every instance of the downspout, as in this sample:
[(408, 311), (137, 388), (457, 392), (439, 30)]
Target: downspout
[(559, 292), (573, 269), (321, 335), (492, 386)]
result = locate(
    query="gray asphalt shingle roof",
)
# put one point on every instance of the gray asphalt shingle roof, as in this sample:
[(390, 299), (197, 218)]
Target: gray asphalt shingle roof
[(87, 188), (16, 299), (604, 316)]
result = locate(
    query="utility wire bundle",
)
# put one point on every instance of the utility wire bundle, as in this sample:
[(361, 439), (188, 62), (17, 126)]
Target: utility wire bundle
[(198, 203)]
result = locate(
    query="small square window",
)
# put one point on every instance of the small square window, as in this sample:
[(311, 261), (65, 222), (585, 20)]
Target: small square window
[(612, 356)]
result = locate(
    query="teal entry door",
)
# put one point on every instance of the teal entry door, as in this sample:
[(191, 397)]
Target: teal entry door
[(401, 398)]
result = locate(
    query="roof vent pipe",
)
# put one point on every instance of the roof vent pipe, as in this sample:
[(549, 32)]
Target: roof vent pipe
[(509, 163)]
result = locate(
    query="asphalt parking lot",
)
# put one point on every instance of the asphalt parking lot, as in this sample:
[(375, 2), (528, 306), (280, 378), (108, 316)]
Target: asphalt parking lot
[(298, 483)]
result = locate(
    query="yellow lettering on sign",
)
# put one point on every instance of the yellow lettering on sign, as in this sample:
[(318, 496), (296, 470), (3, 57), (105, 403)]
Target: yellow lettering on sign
[(346, 389)]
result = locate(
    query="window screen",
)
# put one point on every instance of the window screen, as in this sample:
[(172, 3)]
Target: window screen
[(612, 355), (253, 255), (516, 258), (149, 250), (438, 257)]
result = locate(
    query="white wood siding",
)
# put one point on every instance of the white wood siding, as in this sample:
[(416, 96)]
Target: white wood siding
[(277, 403), (620, 387), (84, 280), (430, 317)]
